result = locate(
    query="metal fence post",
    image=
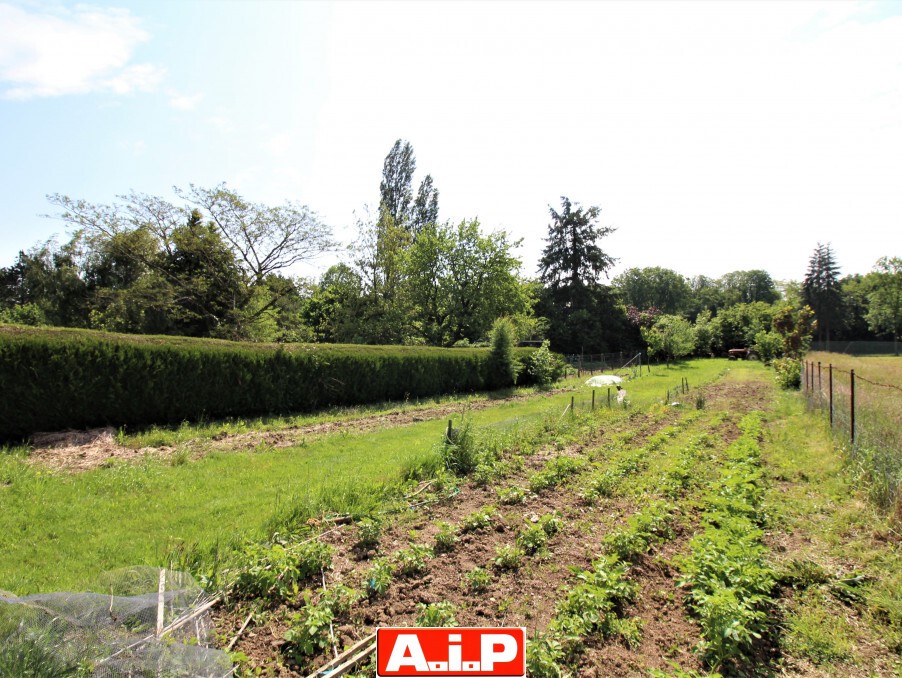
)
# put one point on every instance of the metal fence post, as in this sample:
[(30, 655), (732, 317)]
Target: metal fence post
[(593, 399), (820, 386), (852, 405), (830, 381)]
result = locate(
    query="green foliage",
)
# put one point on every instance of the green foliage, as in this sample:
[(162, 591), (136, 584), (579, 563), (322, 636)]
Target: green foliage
[(275, 572), (532, 540), (727, 574), (27, 652), (545, 367), (436, 615), (502, 367), (476, 580), (768, 345), (788, 373), (480, 519), (511, 495), (368, 532), (507, 557), (544, 656), (821, 290), (411, 562), (378, 578), (650, 526), (308, 632), (59, 379), (885, 302), (654, 287), (671, 336), (461, 452), (445, 539), (555, 473)]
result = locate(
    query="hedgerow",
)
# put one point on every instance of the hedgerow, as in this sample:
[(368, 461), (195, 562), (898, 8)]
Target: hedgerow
[(55, 379)]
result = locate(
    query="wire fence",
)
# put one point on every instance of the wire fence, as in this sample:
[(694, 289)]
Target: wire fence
[(622, 362), (866, 418), (857, 347)]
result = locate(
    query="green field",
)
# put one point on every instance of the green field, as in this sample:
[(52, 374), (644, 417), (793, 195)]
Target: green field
[(58, 530)]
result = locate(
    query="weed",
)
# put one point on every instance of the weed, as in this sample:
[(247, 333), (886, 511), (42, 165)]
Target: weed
[(460, 451), (476, 580), (544, 656), (436, 615), (180, 457)]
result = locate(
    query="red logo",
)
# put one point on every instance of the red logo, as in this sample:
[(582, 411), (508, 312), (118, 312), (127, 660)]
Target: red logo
[(451, 652)]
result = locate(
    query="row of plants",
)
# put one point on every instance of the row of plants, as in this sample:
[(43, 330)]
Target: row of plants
[(726, 573)]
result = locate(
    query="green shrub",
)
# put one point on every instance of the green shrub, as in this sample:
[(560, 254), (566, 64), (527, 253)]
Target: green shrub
[(545, 367), (789, 373), (502, 367), (56, 379), (275, 572)]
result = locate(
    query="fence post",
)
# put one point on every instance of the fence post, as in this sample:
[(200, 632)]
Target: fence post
[(830, 382), (820, 386), (852, 405), (609, 397), (448, 432), (593, 399), (571, 405)]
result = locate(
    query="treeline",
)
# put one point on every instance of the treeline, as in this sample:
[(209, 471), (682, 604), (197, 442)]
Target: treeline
[(217, 265)]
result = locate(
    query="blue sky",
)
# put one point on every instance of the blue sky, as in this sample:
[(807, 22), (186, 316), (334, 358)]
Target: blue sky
[(715, 136)]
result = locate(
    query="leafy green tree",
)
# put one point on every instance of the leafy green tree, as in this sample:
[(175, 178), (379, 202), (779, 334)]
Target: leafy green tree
[(796, 327), (332, 311), (654, 287), (671, 336), (747, 287), (705, 334), (397, 177), (425, 207), (885, 313), (736, 326), (821, 290), (705, 294)]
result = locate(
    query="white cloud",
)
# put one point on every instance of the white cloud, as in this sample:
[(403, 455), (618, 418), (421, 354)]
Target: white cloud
[(184, 102), (86, 49)]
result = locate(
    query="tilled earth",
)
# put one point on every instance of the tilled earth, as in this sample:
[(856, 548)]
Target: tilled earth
[(529, 595)]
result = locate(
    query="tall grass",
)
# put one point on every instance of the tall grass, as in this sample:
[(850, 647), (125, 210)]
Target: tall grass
[(875, 457)]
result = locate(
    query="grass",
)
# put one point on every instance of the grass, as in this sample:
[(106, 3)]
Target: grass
[(848, 613), (876, 456), (60, 531)]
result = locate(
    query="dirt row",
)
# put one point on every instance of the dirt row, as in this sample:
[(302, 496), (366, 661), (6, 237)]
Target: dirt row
[(528, 596), (76, 451)]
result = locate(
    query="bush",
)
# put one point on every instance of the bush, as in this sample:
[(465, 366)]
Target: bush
[(789, 373), (502, 366), (545, 367), (768, 345), (56, 379)]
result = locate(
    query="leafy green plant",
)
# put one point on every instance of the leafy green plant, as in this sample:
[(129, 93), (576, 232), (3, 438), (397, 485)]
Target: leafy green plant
[(445, 539), (511, 495), (544, 656), (276, 571), (308, 632), (507, 558), (788, 373), (545, 367), (532, 540), (436, 614), (480, 519), (476, 580), (368, 532), (378, 578), (412, 561)]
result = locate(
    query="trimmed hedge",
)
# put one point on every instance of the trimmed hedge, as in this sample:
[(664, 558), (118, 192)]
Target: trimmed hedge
[(53, 379)]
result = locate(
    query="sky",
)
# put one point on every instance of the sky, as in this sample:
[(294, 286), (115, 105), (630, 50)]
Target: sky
[(715, 136)]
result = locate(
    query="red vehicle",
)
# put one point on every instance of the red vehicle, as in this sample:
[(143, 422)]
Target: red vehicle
[(742, 354)]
